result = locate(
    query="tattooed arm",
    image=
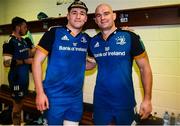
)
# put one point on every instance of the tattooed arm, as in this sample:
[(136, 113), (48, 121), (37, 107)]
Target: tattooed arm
[(7, 61)]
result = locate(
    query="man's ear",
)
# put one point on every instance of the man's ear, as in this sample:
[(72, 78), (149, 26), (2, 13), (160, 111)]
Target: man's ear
[(95, 20), (86, 19), (18, 27), (68, 16), (114, 16)]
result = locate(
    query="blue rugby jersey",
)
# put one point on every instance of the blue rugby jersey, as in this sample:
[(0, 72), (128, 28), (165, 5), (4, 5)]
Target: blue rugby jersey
[(18, 74), (66, 64), (16, 48), (114, 84)]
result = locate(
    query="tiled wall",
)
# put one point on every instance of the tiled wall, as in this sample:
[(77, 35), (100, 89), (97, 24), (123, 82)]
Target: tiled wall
[(164, 51)]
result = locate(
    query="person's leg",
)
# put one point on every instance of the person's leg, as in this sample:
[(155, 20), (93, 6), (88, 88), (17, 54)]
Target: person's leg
[(74, 113), (54, 115), (124, 117), (16, 113), (102, 117), (19, 86), (70, 123)]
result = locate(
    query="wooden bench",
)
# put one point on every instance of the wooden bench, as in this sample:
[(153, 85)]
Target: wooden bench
[(30, 105)]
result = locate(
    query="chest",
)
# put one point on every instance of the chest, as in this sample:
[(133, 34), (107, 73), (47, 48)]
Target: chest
[(67, 46), (115, 46), (20, 47)]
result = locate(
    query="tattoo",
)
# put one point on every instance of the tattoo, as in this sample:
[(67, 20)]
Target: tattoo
[(7, 63)]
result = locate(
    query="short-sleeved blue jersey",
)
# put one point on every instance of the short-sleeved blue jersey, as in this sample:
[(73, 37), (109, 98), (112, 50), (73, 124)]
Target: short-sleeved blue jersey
[(114, 56), (66, 64), (18, 74)]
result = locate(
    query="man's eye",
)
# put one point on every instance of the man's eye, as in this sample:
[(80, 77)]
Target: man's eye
[(98, 15), (73, 12), (82, 13)]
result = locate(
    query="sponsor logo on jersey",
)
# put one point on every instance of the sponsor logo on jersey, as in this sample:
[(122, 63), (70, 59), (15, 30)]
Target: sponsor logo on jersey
[(19, 44), (107, 48), (108, 54), (96, 45), (74, 44), (120, 40), (74, 49), (65, 38), (23, 50), (83, 40)]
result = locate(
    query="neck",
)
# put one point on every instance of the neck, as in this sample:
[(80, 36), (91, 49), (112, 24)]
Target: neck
[(107, 32), (17, 35), (74, 31)]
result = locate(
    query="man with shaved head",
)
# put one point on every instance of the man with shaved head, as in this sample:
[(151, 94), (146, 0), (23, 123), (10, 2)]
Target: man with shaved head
[(114, 50)]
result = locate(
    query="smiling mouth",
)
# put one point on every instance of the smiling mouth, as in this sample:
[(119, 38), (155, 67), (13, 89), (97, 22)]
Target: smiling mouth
[(103, 22), (78, 21)]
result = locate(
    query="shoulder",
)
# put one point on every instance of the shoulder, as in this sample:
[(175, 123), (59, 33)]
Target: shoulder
[(10, 40), (131, 33), (96, 36), (54, 28), (86, 35)]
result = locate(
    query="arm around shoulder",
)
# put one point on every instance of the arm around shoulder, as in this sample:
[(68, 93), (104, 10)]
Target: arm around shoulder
[(90, 63)]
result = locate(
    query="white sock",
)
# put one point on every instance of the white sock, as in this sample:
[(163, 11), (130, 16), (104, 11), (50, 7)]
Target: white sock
[(70, 123)]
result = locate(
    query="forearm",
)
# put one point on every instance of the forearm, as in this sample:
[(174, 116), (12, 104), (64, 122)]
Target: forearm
[(7, 59), (7, 63), (32, 52), (23, 61), (146, 77), (37, 75)]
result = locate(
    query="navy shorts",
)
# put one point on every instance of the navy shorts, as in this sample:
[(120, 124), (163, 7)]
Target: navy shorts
[(117, 117), (56, 114), (18, 78)]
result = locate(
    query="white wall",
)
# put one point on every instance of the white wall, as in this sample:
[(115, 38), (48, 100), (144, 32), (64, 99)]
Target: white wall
[(1, 39), (1, 12), (162, 44)]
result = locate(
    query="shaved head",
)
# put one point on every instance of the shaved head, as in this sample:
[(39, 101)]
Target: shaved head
[(105, 17), (104, 5)]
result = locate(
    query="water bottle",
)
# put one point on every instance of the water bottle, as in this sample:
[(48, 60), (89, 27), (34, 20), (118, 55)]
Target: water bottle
[(178, 120), (172, 119), (166, 119), (155, 116)]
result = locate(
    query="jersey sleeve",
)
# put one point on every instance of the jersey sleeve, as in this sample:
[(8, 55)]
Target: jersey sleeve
[(8, 48), (137, 46), (29, 42), (46, 42), (90, 54)]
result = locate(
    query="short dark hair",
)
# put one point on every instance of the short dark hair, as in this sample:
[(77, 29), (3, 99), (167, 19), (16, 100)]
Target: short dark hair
[(17, 21), (78, 4)]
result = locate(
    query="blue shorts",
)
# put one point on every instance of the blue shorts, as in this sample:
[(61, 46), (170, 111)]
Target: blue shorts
[(18, 78), (56, 114), (117, 117)]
